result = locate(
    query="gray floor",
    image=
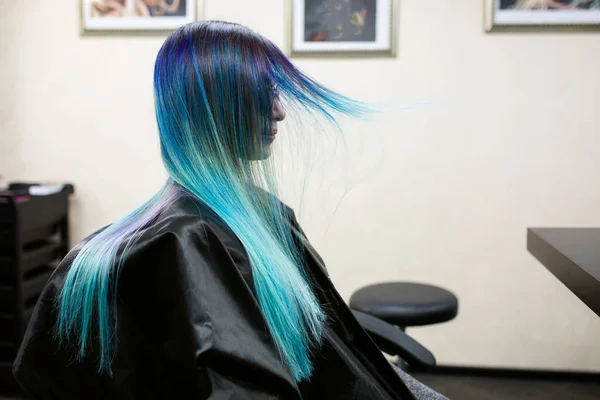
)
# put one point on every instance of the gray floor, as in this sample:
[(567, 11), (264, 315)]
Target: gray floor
[(477, 388), (485, 388)]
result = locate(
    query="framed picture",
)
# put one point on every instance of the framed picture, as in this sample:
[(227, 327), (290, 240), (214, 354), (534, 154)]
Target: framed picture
[(542, 13), (342, 27), (136, 15)]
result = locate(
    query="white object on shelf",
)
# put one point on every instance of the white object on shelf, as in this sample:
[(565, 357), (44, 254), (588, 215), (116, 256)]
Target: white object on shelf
[(44, 190)]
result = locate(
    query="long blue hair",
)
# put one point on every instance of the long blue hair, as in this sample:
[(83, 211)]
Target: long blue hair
[(214, 87)]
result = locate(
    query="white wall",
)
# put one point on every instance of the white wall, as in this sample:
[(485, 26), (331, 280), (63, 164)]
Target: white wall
[(514, 144)]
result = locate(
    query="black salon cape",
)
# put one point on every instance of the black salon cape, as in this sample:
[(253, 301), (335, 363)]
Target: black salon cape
[(190, 327)]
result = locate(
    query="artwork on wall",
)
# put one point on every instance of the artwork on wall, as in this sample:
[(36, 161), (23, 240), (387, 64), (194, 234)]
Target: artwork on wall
[(342, 27), (542, 13), (136, 15)]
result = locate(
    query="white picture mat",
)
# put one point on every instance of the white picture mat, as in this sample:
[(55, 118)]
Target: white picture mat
[(136, 23), (544, 17), (382, 31)]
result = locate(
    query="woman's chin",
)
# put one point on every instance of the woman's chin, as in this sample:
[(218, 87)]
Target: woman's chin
[(263, 153)]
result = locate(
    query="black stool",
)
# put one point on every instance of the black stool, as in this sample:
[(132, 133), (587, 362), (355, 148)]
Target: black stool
[(406, 304)]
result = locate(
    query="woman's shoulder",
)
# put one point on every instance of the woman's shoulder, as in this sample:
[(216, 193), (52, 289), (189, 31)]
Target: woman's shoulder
[(185, 215), (185, 226), (189, 215)]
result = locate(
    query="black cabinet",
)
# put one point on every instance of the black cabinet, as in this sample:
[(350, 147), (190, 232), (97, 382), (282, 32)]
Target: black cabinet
[(34, 237)]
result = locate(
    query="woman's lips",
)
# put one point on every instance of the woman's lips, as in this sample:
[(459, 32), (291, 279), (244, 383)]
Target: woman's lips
[(271, 136)]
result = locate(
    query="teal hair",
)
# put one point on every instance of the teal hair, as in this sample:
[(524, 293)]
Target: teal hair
[(214, 87)]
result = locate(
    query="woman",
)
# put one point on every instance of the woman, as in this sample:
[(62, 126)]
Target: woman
[(210, 289)]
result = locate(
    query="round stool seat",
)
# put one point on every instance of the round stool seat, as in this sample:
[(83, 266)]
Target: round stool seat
[(406, 304)]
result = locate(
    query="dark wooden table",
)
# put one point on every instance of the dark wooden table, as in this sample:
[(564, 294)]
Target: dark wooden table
[(573, 256)]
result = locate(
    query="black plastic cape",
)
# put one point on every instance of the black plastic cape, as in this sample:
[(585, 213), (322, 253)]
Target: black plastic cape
[(190, 327)]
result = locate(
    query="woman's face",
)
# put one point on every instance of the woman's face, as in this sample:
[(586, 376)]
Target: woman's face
[(277, 115)]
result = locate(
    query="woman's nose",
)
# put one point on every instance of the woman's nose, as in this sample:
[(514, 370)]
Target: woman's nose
[(278, 111)]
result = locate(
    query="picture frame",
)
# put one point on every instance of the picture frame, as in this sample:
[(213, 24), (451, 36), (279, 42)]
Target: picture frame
[(137, 16), (326, 28), (542, 14)]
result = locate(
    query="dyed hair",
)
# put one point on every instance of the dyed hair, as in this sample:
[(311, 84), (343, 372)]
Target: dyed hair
[(214, 87)]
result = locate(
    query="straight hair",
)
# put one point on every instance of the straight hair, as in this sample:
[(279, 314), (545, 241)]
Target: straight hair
[(214, 87)]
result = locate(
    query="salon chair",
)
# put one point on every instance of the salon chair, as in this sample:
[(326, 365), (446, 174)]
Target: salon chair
[(395, 342)]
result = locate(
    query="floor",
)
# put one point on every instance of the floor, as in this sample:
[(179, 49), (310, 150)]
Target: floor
[(499, 388)]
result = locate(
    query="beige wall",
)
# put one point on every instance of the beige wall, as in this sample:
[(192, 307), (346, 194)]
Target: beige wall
[(514, 143)]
